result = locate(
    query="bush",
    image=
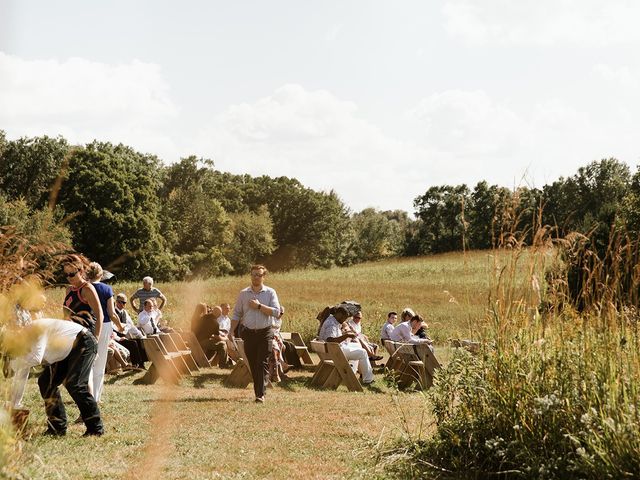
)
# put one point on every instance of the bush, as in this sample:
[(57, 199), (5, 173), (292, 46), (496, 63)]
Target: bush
[(550, 396)]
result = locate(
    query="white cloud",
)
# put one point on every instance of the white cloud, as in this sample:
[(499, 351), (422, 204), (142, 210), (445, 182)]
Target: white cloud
[(479, 138), (333, 33), (544, 22), (468, 122), (322, 141), (624, 76), (84, 100)]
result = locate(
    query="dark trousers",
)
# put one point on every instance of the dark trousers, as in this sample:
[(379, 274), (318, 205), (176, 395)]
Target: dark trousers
[(291, 354), (73, 373), (219, 348), (136, 349), (258, 345)]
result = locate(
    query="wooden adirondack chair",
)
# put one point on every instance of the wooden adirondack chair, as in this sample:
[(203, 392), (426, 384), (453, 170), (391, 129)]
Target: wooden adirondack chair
[(178, 344), (414, 363), (334, 367), (162, 365), (301, 348), (196, 350)]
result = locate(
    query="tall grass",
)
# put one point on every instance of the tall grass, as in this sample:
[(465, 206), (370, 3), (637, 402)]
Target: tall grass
[(554, 393), (21, 274)]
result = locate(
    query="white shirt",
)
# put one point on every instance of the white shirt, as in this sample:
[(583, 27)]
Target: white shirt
[(385, 333), (402, 333), (144, 321), (53, 343), (331, 328), (357, 327), (224, 323)]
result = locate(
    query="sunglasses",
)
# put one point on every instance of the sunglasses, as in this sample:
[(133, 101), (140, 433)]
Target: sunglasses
[(257, 275), (71, 274), (121, 301)]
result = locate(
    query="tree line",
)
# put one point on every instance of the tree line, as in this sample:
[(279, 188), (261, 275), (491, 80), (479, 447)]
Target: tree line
[(138, 216)]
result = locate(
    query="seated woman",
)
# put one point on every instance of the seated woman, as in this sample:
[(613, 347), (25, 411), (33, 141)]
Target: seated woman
[(405, 332), (117, 356)]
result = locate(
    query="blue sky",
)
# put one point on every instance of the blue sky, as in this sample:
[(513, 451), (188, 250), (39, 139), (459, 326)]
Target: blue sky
[(375, 100)]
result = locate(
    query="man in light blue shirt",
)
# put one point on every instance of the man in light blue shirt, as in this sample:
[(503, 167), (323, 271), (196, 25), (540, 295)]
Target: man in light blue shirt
[(257, 309)]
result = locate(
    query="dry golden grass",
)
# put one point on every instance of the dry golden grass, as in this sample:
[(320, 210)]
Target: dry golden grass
[(449, 291)]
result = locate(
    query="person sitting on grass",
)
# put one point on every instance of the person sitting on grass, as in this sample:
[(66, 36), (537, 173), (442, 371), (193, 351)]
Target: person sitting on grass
[(387, 328), (331, 331)]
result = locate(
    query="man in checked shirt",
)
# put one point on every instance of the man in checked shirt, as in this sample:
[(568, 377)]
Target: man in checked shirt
[(256, 309)]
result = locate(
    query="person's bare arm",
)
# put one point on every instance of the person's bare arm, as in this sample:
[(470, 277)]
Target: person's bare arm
[(341, 338), (90, 294), (163, 299), (132, 299), (111, 311)]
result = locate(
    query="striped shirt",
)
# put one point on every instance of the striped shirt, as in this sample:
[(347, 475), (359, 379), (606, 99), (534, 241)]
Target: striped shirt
[(144, 295), (252, 318)]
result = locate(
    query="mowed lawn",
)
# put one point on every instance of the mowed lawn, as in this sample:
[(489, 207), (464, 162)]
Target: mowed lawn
[(202, 429)]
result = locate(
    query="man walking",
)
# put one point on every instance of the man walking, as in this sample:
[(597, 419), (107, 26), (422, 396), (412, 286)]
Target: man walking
[(256, 309), (67, 350)]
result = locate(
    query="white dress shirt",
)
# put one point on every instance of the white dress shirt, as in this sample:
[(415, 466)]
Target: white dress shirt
[(53, 342), (402, 333)]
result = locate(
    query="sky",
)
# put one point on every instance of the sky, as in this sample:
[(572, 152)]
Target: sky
[(375, 100)]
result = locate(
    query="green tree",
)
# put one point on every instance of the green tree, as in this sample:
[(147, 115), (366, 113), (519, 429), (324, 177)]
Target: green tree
[(110, 195), (375, 235), (29, 167), (195, 225), (444, 224), (35, 235), (252, 239)]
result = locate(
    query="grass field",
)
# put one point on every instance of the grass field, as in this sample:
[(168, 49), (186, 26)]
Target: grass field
[(201, 429)]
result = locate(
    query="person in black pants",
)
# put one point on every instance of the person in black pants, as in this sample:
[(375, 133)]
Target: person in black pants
[(257, 310), (67, 350)]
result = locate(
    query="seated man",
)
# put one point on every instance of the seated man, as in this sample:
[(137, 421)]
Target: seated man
[(131, 337), (387, 328), (207, 331), (405, 332), (331, 331), (148, 319)]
